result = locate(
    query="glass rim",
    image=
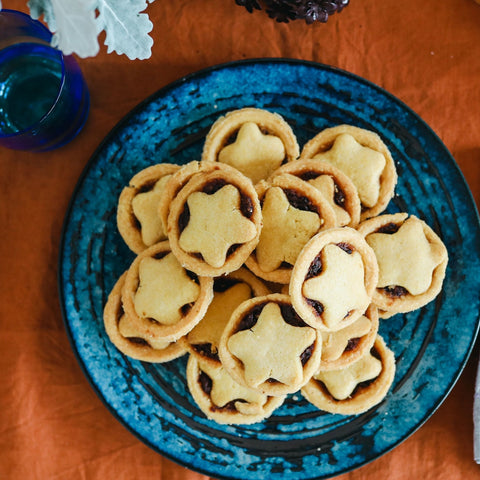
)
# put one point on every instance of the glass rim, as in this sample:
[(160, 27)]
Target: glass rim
[(59, 54)]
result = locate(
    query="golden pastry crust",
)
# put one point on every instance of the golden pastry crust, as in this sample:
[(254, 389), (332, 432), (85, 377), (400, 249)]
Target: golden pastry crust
[(215, 221), (334, 279), (325, 176), (255, 160), (267, 347), (343, 347), (363, 397), (293, 211), (210, 385), (176, 182), (419, 248), (161, 297), (325, 140), (129, 225), (229, 291), (137, 344)]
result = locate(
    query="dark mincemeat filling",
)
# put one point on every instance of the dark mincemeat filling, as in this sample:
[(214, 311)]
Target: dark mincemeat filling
[(250, 319), (338, 196), (346, 247), (222, 284), (205, 382), (185, 309), (147, 186), (138, 341), (205, 349), (193, 276), (352, 344), (136, 223), (316, 266), (300, 201), (388, 228), (206, 385), (395, 291), (184, 218), (214, 186), (160, 255), (232, 138), (317, 307)]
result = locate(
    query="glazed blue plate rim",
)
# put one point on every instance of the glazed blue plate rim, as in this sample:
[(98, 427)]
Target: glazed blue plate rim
[(283, 63)]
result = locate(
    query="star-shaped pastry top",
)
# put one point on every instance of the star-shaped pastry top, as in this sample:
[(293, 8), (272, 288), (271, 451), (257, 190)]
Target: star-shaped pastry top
[(335, 343), (216, 223), (285, 231), (271, 348), (145, 209), (341, 383), (326, 185), (255, 154), (129, 330), (340, 286), (164, 289), (211, 327), (225, 389), (362, 164), (406, 258)]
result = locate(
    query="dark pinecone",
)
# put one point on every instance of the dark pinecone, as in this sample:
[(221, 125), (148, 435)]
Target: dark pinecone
[(249, 4), (286, 10)]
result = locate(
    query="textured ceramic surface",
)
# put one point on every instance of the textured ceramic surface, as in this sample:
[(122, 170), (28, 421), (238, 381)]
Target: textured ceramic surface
[(298, 441)]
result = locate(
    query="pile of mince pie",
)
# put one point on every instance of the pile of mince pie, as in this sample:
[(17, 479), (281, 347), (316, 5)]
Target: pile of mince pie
[(271, 267)]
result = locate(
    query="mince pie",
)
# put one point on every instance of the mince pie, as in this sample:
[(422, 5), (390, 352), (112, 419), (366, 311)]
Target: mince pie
[(215, 221), (333, 184), (268, 347), (334, 278), (229, 291), (362, 156), (345, 346), (163, 297), (138, 219), (253, 140), (293, 211), (223, 399), (130, 338), (411, 258), (356, 388)]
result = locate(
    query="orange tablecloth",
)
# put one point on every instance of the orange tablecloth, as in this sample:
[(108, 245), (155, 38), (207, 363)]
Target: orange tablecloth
[(52, 425)]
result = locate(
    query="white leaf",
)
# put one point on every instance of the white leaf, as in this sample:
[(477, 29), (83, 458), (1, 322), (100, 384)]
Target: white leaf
[(75, 27), (126, 28), (45, 8)]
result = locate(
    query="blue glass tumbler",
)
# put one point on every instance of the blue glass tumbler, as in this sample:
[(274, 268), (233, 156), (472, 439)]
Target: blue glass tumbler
[(44, 100)]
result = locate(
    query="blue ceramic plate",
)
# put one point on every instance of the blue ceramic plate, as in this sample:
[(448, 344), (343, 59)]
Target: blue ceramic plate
[(298, 441)]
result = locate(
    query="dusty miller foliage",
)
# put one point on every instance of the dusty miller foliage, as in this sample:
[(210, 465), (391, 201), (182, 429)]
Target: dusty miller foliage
[(76, 25)]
